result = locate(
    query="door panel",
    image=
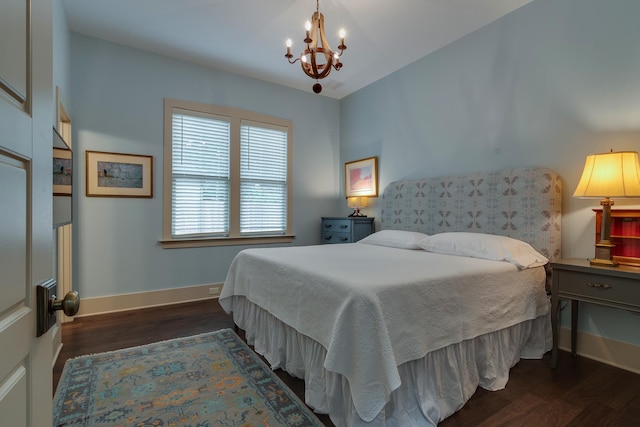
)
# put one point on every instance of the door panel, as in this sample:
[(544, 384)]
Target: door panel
[(14, 311), (13, 229), (13, 67), (12, 403), (15, 314)]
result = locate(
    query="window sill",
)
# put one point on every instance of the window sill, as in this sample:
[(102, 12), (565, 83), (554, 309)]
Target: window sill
[(224, 241)]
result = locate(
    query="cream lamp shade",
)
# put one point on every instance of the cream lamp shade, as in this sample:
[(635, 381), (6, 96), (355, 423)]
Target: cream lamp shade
[(605, 175), (357, 203), (610, 175)]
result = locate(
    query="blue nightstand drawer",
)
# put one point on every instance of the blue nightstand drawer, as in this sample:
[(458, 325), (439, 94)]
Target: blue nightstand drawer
[(335, 237)]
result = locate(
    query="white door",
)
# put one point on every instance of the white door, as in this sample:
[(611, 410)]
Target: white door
[(26, 122)]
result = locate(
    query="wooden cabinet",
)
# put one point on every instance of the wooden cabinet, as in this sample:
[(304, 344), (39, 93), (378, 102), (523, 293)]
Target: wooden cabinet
[(345, 229), (625, 235)]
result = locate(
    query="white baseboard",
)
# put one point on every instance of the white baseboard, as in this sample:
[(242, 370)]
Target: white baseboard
[(138, 300), (615, 353)]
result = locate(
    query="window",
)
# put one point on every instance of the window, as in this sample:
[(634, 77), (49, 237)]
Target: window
[(263, 179), (227, 176)]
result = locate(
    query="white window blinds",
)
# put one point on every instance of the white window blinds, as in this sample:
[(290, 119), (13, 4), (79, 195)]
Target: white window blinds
[(229, 176), (263, 179), (200, 175)]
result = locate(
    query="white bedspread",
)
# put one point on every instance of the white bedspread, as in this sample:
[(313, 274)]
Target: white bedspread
[(374, 308)]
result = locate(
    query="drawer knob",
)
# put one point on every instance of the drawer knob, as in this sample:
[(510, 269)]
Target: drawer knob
[(344, 226), (328, 225), (598, 285)]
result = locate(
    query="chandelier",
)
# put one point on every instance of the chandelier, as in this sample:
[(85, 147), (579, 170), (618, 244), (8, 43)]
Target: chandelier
[(317, 58)]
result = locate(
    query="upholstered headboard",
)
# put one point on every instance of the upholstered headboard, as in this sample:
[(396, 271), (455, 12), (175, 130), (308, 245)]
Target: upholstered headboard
[(523, 203)]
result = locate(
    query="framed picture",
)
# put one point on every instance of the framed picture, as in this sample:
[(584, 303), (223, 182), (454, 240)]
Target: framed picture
[(62, 172), (361, 178), (119, 175)]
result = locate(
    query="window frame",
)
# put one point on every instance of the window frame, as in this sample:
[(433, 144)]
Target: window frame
[(235, 116)]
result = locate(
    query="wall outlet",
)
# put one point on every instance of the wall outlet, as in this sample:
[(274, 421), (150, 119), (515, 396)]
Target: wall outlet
[(215, 290)]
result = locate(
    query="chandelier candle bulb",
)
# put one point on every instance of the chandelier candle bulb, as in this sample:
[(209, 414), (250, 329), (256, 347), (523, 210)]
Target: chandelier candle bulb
[(342, 35), (307, 39), (289, 43)]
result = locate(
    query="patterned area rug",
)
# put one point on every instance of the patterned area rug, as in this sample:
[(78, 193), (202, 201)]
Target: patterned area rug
[(207, 380)]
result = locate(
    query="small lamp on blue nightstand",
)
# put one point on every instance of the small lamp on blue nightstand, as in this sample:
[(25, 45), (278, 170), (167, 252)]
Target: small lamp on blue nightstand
[(356, 203), (608, 175)]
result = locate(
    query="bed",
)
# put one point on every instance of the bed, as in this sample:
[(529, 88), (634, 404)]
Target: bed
[(400, 328)]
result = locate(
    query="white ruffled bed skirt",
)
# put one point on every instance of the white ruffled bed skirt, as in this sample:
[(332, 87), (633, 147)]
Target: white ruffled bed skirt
[(433, 387)]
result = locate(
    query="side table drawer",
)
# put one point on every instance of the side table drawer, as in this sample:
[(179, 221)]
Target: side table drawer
[(336, 225), (336, 237), (599, 288)]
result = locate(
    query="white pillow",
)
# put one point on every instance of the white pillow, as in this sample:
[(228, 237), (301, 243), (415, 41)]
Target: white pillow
[(486, 246), (395, 238)]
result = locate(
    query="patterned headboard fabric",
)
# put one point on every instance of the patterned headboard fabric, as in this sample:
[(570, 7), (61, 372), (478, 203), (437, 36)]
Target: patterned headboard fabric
[(523, 203)]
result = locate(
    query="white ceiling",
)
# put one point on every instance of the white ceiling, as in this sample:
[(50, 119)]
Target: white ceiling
[(248, 37)]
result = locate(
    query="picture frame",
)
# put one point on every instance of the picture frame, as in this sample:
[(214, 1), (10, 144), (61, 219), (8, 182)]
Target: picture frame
[(361, 178), (119, 175), (62, 172)]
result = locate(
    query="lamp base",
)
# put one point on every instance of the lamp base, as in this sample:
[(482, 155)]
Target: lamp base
[(357, 213), (604, 246), (604, 262), (603, 255)]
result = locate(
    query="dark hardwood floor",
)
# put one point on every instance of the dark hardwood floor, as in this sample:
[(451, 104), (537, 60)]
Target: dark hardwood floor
[(580, 392)]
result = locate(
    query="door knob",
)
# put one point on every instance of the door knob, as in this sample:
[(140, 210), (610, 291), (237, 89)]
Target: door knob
[(48, 304), (69, 305)]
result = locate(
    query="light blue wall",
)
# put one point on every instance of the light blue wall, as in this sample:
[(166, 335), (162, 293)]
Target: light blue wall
[(545, 85), (117, 95)]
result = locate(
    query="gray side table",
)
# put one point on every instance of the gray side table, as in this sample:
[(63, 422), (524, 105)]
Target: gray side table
[(578, 281)]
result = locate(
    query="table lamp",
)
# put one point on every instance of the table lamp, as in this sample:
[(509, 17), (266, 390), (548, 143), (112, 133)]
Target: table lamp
[(356, 203), (606, 175)]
